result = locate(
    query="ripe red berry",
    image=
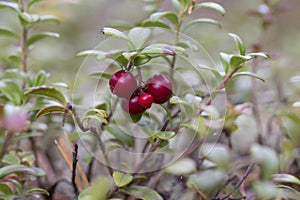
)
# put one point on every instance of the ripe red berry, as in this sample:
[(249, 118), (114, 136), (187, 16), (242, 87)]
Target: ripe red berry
[(160, 87), (145, 100), (122, 84), (132, 106)]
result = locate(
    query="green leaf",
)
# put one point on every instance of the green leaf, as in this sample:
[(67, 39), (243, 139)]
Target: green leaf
[(225, 58), (49, 18), (11, 159), (47, 91), (37, 191), (165, 135), (32, 2), (114, 33), (10, 169), (91, 53), (141, 192), (5, 189), (239, 43), (172, 17), (287, 192), (259, 54), (159, 24), (201, 21), (135, 118), (163, 49), (8, 33), (100, 75), (176, 5), (28, 18), (217, 74), (11, 5), (98, 190), (120, 135), (51, 109), (141, 60), (96, 117), (122, 179), (215, 6), (11, 91), (94, 111), (138, 37), (249, 74), (40, 36), (181, 167), (286, 178), (238, 60), (267, 158), (40, 78)]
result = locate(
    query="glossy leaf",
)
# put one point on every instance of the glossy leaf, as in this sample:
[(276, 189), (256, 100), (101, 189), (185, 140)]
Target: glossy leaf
[(100, 75), (238, 60), (165, 135), (201, 21), (225, 58), (95, 117), (120, 135), (163, 49), (160, 24), (249, 74), (141, 192), (11, 5), (176, 5), (91, 53), (11, 159), (141, 60), (239, 43), (5, 189), (217, 74), (11, 91), (32, 2), (47, 91), (286, 178), (29, 18), (9, 169), (259, 54), (287, 192), (94, 111), (138, 37), (98, 190), (122, 179), (37, 191), (172, 17), (51, 109), (40, 78), (181, 167), (8, 33), (114, 33), (215, 6), (35, 38), (49, 18)]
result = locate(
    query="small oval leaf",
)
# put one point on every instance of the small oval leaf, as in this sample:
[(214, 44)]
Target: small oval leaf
[(172, 17), (120, 135), (51, 109), (113, 33), (201, 21), (122, 179), (249, 74), (141, 192), (239, 43), (215, 6), (47, 91), (165, 135), (8, 33), (40, 36)]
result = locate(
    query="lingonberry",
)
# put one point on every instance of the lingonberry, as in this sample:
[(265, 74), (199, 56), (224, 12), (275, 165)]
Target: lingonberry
[(122, 84), (160, 87), (145, 100), (132, 106)]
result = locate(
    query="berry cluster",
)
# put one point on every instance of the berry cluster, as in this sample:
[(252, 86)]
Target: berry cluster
[(137, 99)]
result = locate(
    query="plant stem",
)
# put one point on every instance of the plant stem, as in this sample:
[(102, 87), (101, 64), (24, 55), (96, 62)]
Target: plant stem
[(74, 165), (24, 40)]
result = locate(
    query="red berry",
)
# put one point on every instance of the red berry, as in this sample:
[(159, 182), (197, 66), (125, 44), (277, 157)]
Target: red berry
[(122, 84), (160, 87), (132, 106), (145, 100)]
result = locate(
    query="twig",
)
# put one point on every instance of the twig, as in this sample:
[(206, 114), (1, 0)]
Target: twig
[(75, 153), (248, 171), (24, 39), (203, 196)]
